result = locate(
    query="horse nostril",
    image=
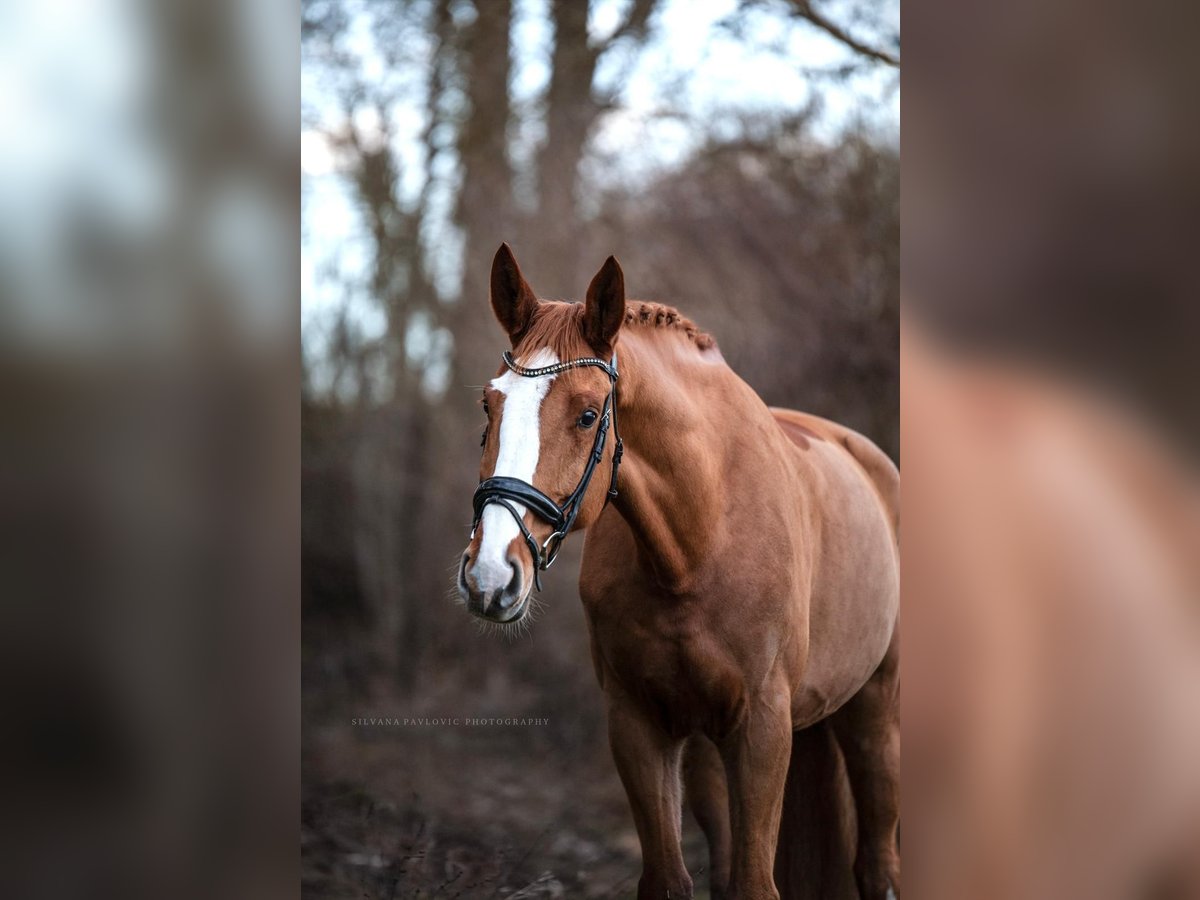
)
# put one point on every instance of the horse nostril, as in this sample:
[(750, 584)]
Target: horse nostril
[(514, 583)]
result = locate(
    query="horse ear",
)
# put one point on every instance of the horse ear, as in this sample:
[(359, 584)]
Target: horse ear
[(604, 310), (513, 300)]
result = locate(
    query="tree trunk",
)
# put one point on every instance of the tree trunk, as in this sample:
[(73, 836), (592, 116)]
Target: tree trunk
[(485, 207), (571, 110)]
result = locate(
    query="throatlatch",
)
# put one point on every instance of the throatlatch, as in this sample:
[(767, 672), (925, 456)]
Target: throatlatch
[(506, 491)]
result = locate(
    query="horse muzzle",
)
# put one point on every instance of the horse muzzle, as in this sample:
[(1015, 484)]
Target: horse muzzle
[(488, 596)]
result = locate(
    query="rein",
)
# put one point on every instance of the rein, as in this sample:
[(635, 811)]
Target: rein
[(505, 491)]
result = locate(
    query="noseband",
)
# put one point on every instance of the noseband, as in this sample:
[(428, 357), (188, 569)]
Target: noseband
[(561, 516)]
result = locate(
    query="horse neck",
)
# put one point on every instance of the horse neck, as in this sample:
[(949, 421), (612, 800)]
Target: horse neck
[(676, 406)]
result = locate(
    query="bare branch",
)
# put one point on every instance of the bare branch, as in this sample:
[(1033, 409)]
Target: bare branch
[(634, 25), (804, 9)]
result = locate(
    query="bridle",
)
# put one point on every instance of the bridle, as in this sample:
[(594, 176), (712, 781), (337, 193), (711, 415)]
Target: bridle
[(561, 516)]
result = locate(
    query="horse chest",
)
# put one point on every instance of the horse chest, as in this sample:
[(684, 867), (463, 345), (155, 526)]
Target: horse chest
[(669, 665)]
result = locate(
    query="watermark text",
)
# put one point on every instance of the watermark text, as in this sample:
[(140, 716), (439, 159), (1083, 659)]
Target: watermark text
[(448, 721)]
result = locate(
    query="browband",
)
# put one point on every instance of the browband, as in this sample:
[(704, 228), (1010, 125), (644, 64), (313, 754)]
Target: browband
[(505, 491), (609, 368)]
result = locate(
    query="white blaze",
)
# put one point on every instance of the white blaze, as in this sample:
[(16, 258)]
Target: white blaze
[(520, 443)]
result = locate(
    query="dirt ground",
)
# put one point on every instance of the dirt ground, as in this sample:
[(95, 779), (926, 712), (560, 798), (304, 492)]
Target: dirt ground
[(466, 812)]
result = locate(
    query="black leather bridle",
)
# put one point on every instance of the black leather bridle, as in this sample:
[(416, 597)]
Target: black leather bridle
[(561, 516)]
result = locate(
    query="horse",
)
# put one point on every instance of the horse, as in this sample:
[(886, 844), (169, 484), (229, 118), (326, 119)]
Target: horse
[(740, 581)]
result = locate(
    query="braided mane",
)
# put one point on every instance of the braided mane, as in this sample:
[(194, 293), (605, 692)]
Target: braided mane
[(658, 315)]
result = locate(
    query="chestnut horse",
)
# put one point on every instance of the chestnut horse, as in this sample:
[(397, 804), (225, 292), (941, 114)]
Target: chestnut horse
[(740, 581)]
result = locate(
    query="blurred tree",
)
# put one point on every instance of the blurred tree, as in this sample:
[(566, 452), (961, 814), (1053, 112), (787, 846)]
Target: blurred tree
[(573, 104), (485, 202)]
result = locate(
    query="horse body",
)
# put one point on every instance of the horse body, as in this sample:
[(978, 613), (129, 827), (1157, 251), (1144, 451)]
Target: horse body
[(742, 584), (778, 549), (749, 573)]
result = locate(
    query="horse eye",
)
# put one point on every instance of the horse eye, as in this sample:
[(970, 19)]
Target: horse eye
[(483, 438), (588, 419)]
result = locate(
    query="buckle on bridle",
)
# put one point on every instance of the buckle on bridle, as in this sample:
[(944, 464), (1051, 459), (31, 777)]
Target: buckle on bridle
[(549, 556)]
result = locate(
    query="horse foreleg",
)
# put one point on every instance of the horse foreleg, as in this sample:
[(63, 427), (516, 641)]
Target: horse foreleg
[(648, 761), (868, 732), (704, 779), (756, 757)]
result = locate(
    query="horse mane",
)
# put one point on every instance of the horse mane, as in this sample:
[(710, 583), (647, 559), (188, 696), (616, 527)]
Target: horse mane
[(659, 315), (557, 325)]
